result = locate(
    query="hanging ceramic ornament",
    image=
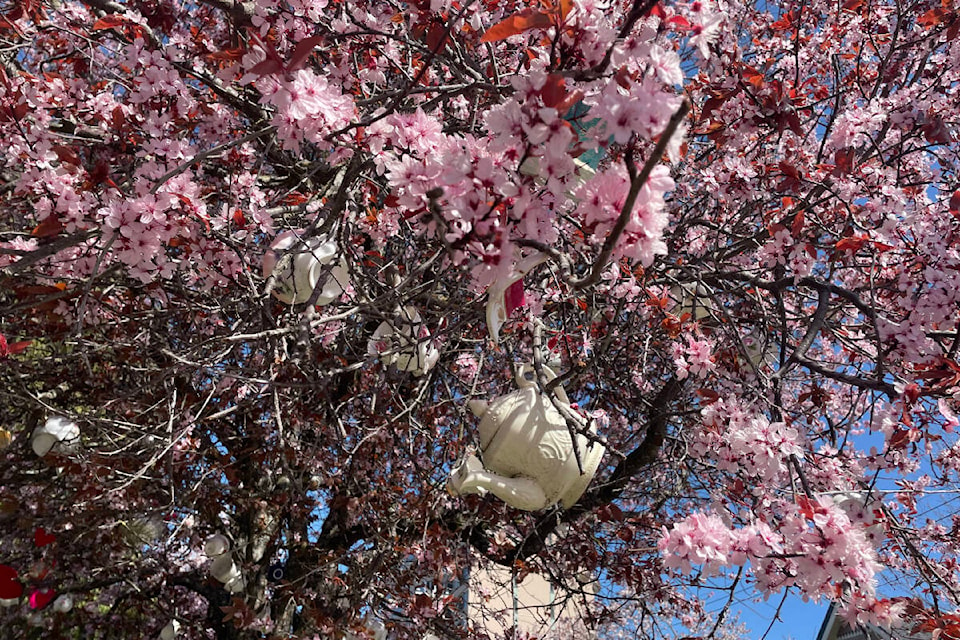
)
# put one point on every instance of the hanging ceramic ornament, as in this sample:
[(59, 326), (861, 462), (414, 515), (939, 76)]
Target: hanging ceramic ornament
[(216, 545), (224, 569), (57, 433), (276, 572), (693, 302), (528, 457), (864, 511), (63, 603), (506, 294), (171, 631), (311, 262), (236, 585), (142, 531), (405, 343)]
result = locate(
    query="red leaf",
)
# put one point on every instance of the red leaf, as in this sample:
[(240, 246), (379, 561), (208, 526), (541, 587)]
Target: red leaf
[(713, 103), (785, 22), (911, 393), (109, 22), (900, 438), (117, 117), (41, 538), (807, 507), (567, 103), (953, 30), (566, 6), (513, 297), (12, 349), (267, 67), (708, 396), (517, 24), (851, 244), (41, 598), (955, 201), (789, 170), (931, 18), (228, 55), (302, 53), (554, 90), (437, 36), (754, 77), (49, 227), (678, 22), (66, 154), (797, 227), (10, 587), (843, 160), (936, 131), (610, 513)]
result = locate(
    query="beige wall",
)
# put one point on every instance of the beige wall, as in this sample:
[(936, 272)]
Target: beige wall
[(539, 608)]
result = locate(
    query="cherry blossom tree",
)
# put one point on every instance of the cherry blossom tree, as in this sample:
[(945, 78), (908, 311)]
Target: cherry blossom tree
[(257, 256)]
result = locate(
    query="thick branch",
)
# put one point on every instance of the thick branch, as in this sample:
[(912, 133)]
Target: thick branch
[(46, 250), (648, 450), (863, 383), (819, 317)]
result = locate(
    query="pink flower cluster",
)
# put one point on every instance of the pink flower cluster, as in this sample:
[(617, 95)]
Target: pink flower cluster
[(737, 438), (813, 547), (823, 550), (602, 199), (695, 358), (309, 107)]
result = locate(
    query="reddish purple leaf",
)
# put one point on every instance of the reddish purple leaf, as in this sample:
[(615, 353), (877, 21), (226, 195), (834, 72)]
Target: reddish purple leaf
[(513, 297)]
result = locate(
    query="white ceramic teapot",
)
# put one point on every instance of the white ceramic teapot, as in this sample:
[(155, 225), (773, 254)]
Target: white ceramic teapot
[(405, 343), (57, 432), (223, 568), (528, 456), (171, 631), (315, 260)]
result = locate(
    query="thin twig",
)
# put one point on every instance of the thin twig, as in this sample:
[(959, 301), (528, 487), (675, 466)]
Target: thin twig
[(542, 381), (203, 155)]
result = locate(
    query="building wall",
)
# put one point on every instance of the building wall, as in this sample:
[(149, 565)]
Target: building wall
[(496, 603)]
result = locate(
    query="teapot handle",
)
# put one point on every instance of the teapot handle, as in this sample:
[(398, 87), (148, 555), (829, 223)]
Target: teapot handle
[(526, 378)]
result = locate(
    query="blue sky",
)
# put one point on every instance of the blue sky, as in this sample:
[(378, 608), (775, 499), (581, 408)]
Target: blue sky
[(800, 620)]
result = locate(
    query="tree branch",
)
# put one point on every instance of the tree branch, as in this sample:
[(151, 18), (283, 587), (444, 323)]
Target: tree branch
[(637, 181), (819, 317)]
